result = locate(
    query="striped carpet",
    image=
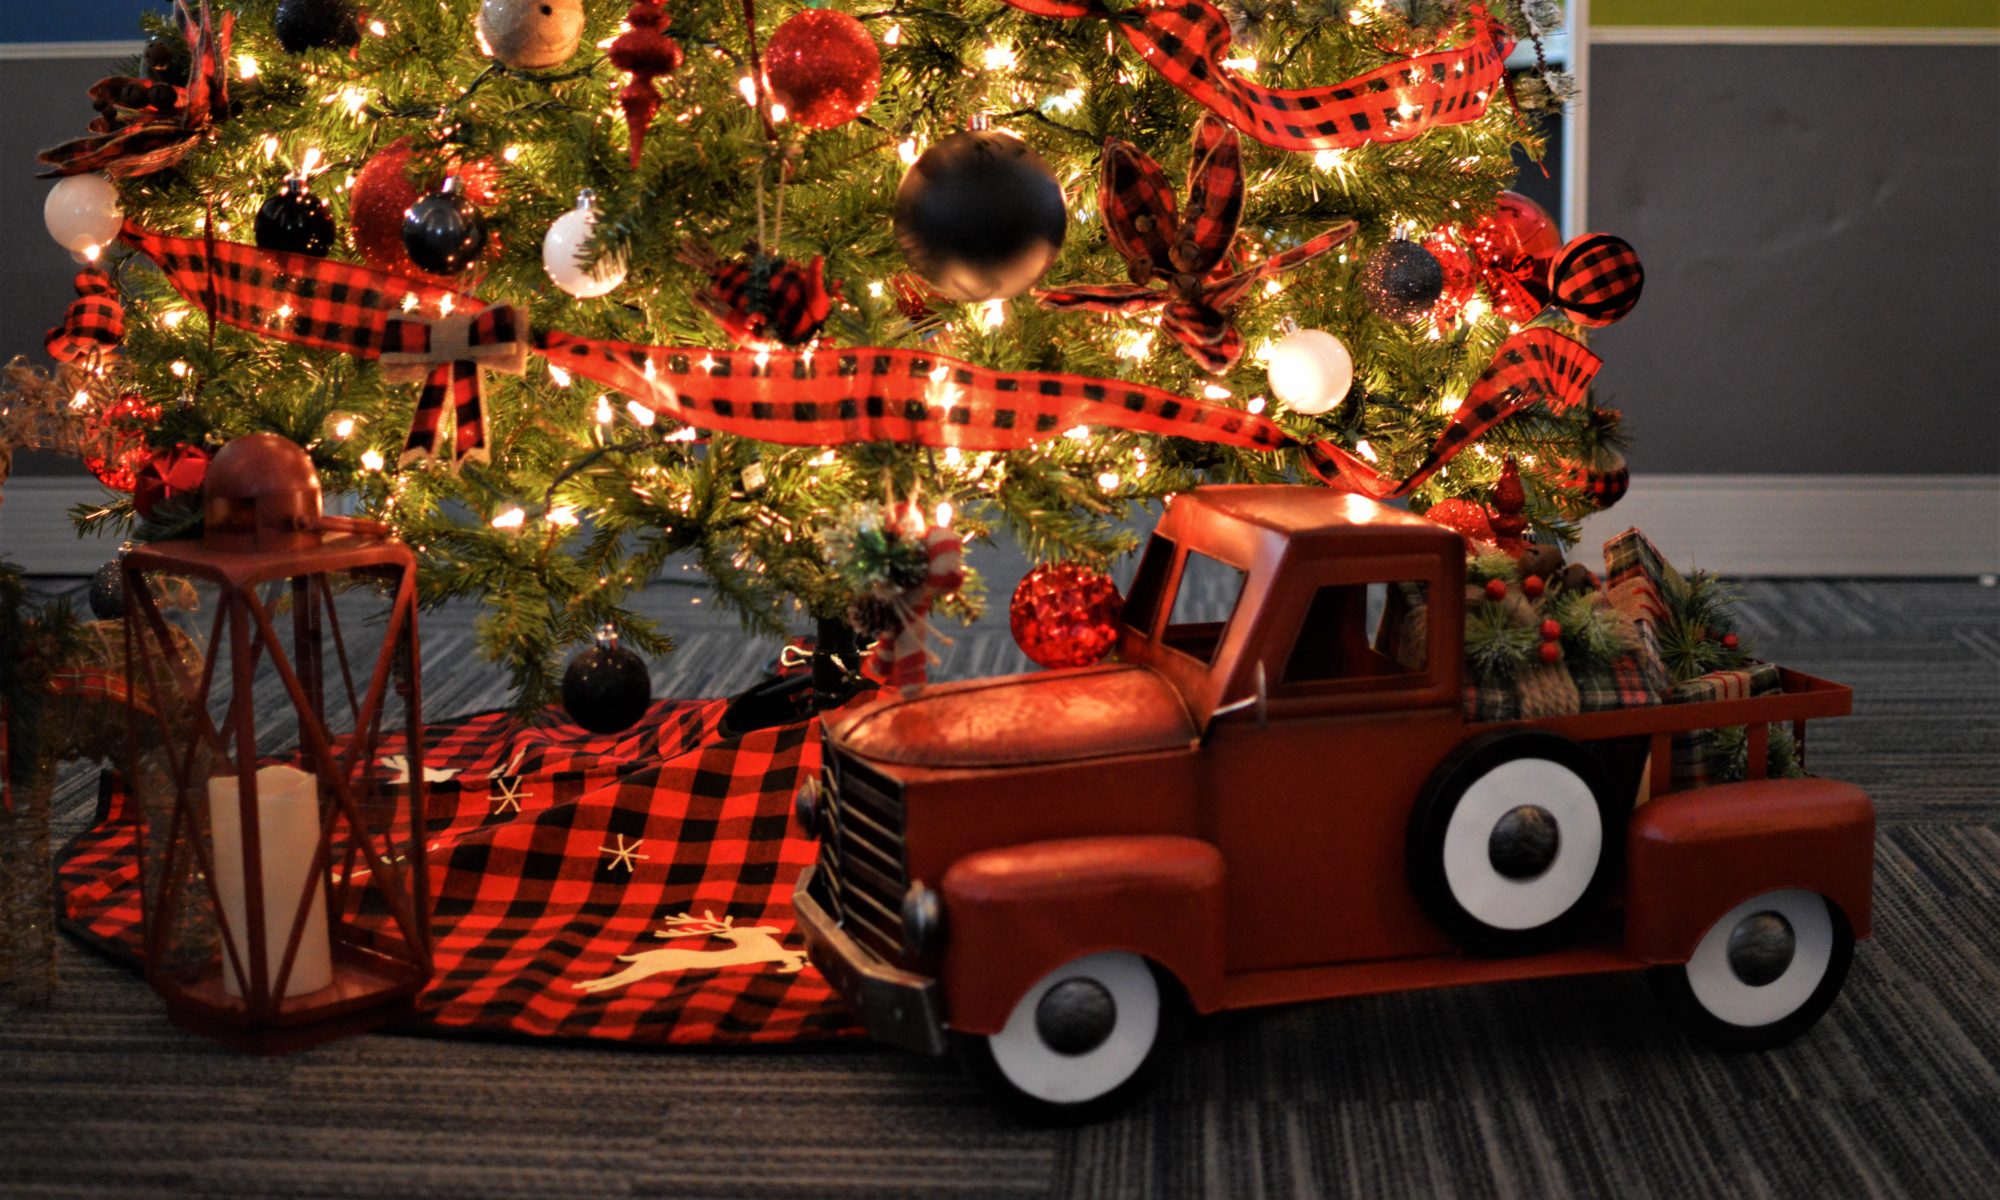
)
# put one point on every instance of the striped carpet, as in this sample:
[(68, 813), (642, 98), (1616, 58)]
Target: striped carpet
[(1563, 1088)]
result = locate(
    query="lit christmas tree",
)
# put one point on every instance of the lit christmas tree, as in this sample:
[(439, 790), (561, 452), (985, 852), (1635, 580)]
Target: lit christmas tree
[(1020, 267)]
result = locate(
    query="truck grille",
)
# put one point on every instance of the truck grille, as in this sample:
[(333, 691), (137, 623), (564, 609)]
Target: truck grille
[(861, 853)]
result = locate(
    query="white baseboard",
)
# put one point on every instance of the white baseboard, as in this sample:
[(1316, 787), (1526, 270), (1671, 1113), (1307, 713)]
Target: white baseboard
[(35, 530), (1814, 524), (1735, 524)]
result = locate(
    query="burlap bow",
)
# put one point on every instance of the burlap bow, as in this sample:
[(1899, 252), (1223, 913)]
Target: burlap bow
[(448, 354)]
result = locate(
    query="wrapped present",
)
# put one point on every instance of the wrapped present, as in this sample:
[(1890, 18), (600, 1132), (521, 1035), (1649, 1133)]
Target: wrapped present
[(1635, 575), (1696, 753)]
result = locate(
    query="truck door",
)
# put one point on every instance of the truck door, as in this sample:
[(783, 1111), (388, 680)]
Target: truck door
[(1312, 798)]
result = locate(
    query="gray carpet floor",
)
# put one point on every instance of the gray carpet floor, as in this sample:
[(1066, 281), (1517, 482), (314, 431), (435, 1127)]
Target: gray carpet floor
[(1557, 1088)]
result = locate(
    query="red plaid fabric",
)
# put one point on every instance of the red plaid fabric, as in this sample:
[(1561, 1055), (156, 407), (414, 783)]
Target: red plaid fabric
[(557, 858), (94, 322), (1190, 257), (1534, 366), (787, 305), (448, 354), (1602, 485), (1186, 41), (133, 137), (1597, 279)]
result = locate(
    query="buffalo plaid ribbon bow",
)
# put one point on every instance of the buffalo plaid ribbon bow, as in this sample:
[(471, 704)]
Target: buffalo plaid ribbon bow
[(1186, 41), (448, 354), (1188, 250), (143, 126)]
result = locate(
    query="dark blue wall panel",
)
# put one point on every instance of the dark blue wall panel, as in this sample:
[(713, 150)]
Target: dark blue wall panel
[(77, 20)]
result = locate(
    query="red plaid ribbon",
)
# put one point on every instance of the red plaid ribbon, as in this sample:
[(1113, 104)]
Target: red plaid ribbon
[(448, 354), (837, 397), (1186, 41), (1189, 256)]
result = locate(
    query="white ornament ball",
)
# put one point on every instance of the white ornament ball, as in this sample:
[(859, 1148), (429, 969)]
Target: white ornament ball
[(531, 35), (1310, 371), (82, 214), (562, 254)]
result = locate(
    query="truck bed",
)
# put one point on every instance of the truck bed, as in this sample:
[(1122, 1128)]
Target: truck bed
[(1802, 697)]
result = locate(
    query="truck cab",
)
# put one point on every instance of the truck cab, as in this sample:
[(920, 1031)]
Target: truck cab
[(1267, 798)]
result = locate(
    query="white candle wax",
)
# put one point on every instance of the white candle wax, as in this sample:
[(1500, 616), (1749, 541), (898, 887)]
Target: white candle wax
[(288, 833)]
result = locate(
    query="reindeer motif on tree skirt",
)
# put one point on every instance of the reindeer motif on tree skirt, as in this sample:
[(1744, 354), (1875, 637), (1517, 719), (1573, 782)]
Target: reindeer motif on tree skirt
[(748, 944)]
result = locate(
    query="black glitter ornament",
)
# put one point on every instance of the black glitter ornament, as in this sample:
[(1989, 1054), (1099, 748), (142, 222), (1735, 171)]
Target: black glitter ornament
[(303, 25), (443, 232), (606, 688), (296, 220), (980, 216), (107, 592), (1402, 280)]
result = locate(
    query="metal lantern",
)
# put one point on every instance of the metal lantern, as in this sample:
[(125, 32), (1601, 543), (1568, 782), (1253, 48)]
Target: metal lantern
[(285, 890)]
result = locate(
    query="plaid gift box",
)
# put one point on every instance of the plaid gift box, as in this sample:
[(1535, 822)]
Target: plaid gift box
[(631, 887), (1693, 752), (1635, 575)]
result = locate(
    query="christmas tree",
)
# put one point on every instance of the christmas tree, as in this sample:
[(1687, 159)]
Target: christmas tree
[(1190, 225)]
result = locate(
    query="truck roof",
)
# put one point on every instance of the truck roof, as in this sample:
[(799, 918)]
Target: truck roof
[(1304, 512)]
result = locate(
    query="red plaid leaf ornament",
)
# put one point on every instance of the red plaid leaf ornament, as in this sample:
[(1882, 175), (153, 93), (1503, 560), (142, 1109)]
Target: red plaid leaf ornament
[(143, 126), (1187, 251), (1186, 41), (93, 324), (762, 299)]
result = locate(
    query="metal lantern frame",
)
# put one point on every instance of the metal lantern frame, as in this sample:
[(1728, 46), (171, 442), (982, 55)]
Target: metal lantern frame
[(377, 970)]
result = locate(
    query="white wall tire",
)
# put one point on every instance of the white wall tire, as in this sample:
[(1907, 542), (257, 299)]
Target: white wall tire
[(1764, 972), (1081, 1038), (1511, 844)]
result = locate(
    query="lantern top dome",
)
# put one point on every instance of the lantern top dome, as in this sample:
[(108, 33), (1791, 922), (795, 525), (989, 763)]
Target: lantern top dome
[(261, 493)]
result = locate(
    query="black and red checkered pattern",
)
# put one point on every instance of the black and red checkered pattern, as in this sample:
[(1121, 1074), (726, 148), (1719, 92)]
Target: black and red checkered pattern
[(1535, 366), (1596, 279), (1186, 41), (1603, 483), (94, 322), (1186, 250), (555, 852)]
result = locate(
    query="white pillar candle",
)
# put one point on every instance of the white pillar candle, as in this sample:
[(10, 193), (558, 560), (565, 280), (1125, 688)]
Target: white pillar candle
[(288, 834)]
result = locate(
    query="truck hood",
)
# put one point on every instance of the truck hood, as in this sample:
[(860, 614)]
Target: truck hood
[(1022, 720)]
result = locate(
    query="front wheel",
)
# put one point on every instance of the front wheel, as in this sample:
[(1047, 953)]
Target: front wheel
[(1763, 973), (1082, 1040)]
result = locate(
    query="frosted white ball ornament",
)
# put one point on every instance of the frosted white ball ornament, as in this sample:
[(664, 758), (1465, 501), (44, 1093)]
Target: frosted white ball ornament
[(562, 253), (82, 214), (1310, 371)]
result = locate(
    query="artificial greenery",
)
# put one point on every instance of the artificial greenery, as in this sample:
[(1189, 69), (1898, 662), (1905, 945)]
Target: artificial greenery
[(1593, 633), (1728, 754), (1698, 632), (607, 503), (1498, 644)]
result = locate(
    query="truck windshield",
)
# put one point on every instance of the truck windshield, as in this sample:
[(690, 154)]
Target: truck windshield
[(1142, 603), (1203, 603)]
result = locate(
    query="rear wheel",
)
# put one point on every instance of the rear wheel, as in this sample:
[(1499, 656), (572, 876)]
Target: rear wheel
[(1083, 1039), (1513, 841), (1763, 973)]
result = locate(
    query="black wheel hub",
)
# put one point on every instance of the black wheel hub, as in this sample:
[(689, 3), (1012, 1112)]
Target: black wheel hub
[(1761, 948), (1524, 842), (1075, 1016)]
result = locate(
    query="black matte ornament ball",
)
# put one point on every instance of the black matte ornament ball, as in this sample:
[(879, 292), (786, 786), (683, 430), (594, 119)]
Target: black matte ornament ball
[(107, 592), (1402, 280), (303, 25), (443, 232), (606, 688), (980, 216), (295, 220)]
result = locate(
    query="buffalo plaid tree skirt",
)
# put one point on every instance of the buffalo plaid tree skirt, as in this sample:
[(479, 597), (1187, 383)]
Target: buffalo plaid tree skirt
[(555, 852)]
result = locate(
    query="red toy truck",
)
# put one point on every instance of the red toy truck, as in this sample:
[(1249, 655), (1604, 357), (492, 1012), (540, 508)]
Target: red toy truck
[(1256, 806)]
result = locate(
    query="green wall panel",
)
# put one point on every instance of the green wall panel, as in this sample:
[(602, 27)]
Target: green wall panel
[(1916, 14)]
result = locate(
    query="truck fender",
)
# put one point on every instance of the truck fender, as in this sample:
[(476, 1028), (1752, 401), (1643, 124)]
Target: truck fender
[(1016, 913), (1693, 856)]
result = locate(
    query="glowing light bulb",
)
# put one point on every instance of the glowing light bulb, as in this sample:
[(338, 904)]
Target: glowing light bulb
[(641, 414), (371, 460), (246, 67), (1107, 480), (344, 428), (942, 517), (512, 518), (998, 57)]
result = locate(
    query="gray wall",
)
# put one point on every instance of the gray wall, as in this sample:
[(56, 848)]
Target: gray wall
[(1820, 227)]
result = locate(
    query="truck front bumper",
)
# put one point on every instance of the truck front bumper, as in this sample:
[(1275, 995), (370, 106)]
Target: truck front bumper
[(896, 1006)]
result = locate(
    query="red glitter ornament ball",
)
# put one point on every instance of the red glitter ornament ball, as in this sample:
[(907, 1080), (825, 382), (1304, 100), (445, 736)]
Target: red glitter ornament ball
[(823, 67), (118, 442), (1470, 521), (168, 475), (1515, 245), (1065, 615), (385, 189)]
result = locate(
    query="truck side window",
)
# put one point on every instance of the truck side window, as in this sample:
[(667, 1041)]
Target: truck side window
[(1334, 641), (1203, 603), (1142, 603)]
